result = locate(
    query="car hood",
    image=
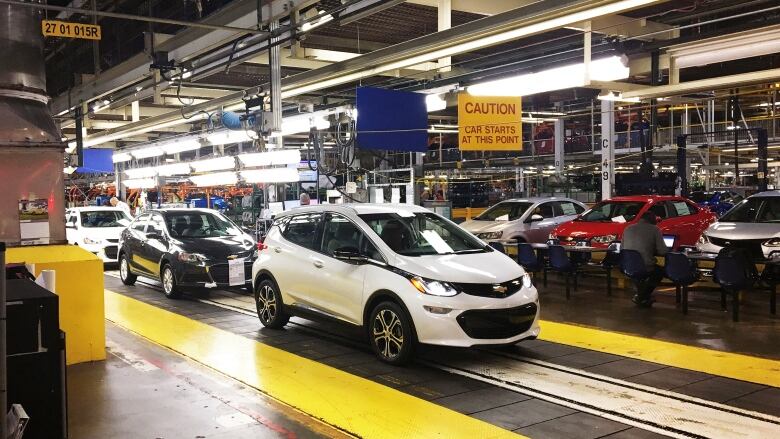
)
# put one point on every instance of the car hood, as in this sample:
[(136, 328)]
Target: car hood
[(490, 267), (102, 232), (727, 230), (220, 247), (476, 226), (589, 229)]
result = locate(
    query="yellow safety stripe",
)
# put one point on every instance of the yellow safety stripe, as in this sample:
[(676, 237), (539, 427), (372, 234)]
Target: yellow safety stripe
[(725, 364), (348, 402)]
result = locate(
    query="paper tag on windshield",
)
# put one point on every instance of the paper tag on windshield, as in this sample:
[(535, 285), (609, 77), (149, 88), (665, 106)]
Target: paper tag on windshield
[(236, 274), (619, 219)]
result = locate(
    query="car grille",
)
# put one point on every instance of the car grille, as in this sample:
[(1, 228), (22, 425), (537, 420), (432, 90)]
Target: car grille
[(497, 323), (111, 251), (753, 246), (195, 278), (219, 272), (498, 291)]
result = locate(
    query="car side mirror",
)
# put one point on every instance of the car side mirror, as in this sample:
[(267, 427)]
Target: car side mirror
[(70, 225), (535, 218), (350, 254)]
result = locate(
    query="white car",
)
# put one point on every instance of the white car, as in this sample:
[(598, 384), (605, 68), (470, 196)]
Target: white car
[(96, 229), (403, 273)]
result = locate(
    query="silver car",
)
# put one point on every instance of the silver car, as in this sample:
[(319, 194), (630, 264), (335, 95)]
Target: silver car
[(753, 224), (524, 219)]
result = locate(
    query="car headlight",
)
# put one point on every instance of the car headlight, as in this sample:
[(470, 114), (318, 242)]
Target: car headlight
[(433, 287), (527, 281), (92, 241), (773, 242), (604, 239), (704, 239), (490, 235), (255, 254), (191, 257)]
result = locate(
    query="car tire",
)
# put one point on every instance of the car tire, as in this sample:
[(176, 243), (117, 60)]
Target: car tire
[(270, 308), (391, 334), (168, 279), (125, 275)]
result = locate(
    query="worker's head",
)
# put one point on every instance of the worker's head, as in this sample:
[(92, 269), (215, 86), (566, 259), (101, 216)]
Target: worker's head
[(305, 199), (650, 218), (114, 201)]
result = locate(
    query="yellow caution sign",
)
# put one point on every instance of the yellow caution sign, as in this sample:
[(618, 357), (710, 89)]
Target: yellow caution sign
[(489, 123), (66, 29)]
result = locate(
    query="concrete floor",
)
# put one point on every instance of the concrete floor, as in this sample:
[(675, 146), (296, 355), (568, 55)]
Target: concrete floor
[(706, 324), (145, 391)]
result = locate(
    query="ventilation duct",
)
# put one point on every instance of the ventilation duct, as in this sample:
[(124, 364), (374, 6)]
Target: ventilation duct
[(31, 150)]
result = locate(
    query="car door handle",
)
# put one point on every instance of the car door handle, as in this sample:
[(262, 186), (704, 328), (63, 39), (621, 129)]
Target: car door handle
[(317, 263)]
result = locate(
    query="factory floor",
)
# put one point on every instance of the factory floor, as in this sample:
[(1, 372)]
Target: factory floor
[(601, 368), (143, 390)]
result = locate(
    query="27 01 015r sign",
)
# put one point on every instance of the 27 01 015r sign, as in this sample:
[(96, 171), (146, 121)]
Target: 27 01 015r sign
[(55, 28)]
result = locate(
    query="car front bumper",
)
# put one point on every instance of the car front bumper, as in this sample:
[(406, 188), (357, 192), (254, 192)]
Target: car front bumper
[(106, 252), (474, 320), (210, 275)]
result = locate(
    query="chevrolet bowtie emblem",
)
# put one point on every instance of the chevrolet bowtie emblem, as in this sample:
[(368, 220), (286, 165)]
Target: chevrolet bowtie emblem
[(499, 289), (231, 257)]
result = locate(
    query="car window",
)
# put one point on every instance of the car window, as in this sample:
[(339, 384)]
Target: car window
[(659, 209), (613, 211), (339, 233), (546, 210), (770, 211), (140, 223), (103, 218), (419, 234), (504, 211), (302, 230), (200, 224), (681, 208), (744, 212), (156, 225), (568, 208)]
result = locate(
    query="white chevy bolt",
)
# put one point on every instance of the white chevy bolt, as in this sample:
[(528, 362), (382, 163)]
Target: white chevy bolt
[(403, 273), (96, 229)]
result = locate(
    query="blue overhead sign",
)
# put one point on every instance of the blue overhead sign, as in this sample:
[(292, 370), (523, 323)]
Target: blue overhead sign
[(97, 161), (391, 120)]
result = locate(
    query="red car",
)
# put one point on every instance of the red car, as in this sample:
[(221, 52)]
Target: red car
[(680, 220)]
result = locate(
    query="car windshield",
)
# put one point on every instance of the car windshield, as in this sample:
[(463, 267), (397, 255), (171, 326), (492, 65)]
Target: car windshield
[(754, 210), (104, 218), (613, 211), (506, 211), (418, 234), (199, 225)]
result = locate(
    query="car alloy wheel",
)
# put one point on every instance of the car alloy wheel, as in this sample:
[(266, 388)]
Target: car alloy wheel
[(266, 304), (170, 288), (125, 275), (388, 333)]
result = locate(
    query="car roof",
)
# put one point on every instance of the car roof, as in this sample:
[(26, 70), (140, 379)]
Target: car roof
[(356, 208), (646, 198), (538, 199), (767, 194), (181, 209), (81, 208)]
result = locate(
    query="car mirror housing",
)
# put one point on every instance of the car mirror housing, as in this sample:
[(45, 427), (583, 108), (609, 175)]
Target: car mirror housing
[(535, 218), (350, 254)]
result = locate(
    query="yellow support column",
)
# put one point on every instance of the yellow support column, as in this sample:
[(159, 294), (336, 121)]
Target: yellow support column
[(79, 285)]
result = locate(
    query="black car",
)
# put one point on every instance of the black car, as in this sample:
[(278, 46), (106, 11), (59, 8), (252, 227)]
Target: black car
[(186, 248)]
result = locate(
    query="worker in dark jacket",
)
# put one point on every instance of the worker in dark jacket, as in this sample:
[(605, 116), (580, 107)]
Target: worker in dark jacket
[(646, 238)]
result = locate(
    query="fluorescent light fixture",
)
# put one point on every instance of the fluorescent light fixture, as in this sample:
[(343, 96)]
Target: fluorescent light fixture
[(225, 137), (145, 153), (217, 164), (140, 173), (140, 183), (611, 68), (756, 42), (435, 103), (69, 170), (305, 27), (273, 175), (173, 169), (616, 96), (178, 146), (302, 124), (280, 157), (120, 157), (217, 179)]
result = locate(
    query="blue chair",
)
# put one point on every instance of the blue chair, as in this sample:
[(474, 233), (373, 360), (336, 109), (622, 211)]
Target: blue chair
[(498, 246), (683, 273), (528, 259), (633, 267), (610, 261), (560, 262), (733, 276)]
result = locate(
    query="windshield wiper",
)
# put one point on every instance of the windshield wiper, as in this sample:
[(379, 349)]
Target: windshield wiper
[(471, 250)]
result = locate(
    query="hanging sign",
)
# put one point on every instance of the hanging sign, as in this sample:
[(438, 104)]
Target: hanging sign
[(66, 29), (489, 123)]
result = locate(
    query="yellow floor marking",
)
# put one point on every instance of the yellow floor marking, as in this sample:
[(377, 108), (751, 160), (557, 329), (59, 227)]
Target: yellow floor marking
[(353, 404), (725, 364)]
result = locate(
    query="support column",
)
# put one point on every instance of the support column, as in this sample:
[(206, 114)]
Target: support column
[(445, 22), (135, 111), (559, 146), (607, 148), (586, 49)]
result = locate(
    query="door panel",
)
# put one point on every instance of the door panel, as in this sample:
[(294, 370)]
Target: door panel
[(135, 243), (292, 255), (154, 249), (538, 231)]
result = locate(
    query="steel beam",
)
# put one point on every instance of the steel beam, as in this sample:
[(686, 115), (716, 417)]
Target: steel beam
[(705, 84)]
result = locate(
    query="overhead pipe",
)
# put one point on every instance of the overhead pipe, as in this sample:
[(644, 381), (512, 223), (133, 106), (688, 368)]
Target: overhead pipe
[(511, 25)]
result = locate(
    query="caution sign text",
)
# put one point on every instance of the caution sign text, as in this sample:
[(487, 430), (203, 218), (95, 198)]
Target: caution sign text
[(66, 29), (489, 123)]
